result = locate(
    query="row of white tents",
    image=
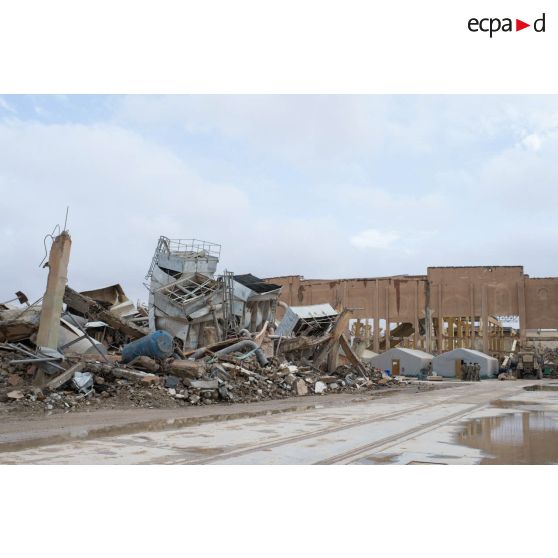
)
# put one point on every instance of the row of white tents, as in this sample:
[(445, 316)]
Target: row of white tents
[(409, 362)]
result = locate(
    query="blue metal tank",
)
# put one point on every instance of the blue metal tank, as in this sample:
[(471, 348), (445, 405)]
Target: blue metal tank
[(155, 345)]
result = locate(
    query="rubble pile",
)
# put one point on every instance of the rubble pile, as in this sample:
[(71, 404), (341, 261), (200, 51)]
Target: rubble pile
[(171, 382), (201, 340)]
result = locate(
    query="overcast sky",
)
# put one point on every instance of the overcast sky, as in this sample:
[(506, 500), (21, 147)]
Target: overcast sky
[(320, 186)]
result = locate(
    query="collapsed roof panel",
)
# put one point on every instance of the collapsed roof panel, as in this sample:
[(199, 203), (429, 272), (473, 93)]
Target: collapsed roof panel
[(188, 291), (307, 320), (255, 283)]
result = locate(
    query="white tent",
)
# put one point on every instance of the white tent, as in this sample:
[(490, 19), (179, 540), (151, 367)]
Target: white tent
[(449, 364), (367, 355), (404, 362)]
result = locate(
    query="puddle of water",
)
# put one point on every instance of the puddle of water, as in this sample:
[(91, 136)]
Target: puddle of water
[(522, 438), (544, 387)]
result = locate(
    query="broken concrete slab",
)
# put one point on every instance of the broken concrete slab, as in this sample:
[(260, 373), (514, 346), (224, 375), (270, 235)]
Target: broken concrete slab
[(320, 387), (300, 387), (329, 379), (95, 312), (203, 384), (15, 380), (135, 375), (64, 377), (146, 363), (192, 369), (171, 381), (17, 324)]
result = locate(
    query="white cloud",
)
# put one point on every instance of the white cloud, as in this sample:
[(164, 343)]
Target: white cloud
[(420, 180), (532, 142), (372, 238), (124, 191)]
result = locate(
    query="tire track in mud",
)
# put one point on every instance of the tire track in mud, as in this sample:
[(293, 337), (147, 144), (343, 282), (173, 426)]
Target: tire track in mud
[(454, 398), (389, 441)]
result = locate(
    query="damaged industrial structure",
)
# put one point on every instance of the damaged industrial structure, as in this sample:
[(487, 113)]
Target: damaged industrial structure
[(196, 307), (205, 337), (448, 308)]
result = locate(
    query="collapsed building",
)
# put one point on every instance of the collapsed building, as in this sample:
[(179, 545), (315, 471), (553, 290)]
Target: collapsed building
[(201, 339), (205, 337), (188, 300)]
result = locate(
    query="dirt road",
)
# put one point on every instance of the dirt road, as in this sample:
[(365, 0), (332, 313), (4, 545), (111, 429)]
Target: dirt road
[(405, 428)]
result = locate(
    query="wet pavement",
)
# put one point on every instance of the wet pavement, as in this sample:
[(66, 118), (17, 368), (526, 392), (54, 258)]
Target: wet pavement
[(528, 436), (487, 422), (522, 438)]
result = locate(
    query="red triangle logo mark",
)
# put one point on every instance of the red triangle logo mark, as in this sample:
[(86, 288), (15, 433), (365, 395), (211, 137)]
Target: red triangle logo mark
[(519, 25)]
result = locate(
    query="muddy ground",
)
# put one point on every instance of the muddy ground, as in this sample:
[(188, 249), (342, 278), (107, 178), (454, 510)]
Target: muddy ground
[(20, 429)]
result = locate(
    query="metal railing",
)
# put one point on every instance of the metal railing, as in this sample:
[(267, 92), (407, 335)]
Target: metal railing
[(195, 248)]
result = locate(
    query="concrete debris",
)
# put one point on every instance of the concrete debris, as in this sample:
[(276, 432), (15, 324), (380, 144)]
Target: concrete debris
[(187, 368), (201, 384), (171, 381), (145, 363), (87, 307), (320, 387), (64, 377), (17, 324), (299, 387), (202, 339), (14, 380), (83, 381)]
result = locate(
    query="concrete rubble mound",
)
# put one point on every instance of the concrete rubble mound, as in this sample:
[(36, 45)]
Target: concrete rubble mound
[(202, 339)]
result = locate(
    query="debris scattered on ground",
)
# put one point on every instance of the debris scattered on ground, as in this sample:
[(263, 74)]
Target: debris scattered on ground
[(202, 340)]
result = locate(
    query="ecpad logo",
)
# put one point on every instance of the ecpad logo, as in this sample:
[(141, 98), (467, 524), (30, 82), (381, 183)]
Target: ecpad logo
[(493, 25)]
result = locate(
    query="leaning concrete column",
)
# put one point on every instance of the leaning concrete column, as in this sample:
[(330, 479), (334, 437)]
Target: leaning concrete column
[(53, 297)]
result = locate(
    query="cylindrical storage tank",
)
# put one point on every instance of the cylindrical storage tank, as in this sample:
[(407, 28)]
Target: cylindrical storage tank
[(155, 345)]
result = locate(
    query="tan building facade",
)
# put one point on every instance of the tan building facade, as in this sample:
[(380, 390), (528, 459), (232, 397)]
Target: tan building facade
[(447, 308)]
